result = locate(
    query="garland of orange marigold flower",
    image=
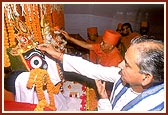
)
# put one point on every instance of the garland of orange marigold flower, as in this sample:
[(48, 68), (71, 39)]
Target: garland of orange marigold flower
[(9, 24), (8, 35), (57, 15), (27, 17), (92, 100), (48, 15), (38, 77), (33, 23), (41, 79), (19, 11), (38, 27), (6, 45)]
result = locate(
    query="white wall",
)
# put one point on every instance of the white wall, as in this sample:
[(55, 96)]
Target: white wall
[(78, 23)]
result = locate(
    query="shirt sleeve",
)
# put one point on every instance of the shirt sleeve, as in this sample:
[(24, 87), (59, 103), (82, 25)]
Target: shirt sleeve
[(104, 105), (89, 69)]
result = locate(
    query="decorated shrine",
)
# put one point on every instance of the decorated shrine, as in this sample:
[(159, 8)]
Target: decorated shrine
[(25, 27)]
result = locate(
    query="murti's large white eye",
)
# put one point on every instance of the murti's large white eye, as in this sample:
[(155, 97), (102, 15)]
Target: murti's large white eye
[(36, 62)]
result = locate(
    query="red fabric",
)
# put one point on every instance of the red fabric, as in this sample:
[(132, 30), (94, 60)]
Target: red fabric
[(8, 96), (98, 40), (18, 106), (111, 59), (92, 30), (127, 39), (111, 37), (93, 57), (92, 54)]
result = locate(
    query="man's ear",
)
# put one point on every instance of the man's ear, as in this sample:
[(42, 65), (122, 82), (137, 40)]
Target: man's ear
[(147, 79)]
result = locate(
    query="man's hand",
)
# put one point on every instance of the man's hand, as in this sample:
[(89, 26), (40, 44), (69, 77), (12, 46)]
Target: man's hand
[(66, 35), (101, 89), (48, 48)]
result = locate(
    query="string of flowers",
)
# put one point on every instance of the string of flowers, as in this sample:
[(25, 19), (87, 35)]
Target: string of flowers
[(26, 11), (91, 99), (6, 21), (60, 14), (41, 79), (32, 19), (38, 77), (48, 15), (54, 16), (6, 45), (37, 21), (9, 24), (33, 24), (19, 11), (57, 15)]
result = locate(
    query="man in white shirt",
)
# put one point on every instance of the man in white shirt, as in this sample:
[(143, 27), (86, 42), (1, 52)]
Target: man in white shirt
[(138, 79)]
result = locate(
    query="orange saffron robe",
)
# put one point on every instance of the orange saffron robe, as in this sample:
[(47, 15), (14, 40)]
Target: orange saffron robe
[(125, 42), (127, 39), (107, 59), (92, 54)]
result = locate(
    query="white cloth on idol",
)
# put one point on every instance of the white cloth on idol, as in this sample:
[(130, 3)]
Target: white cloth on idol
[(30, 96)]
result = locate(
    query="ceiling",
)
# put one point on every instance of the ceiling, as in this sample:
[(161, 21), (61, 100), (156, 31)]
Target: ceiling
[(107, 10)]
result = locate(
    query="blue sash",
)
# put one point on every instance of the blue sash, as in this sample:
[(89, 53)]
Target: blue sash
[(149, 92), (124, 89), (145, 94)]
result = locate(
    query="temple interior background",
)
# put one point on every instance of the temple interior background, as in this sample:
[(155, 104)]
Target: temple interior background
[(107, 15)]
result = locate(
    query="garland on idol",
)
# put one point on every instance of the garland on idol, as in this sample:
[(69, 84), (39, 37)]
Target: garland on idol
[(23, 35)]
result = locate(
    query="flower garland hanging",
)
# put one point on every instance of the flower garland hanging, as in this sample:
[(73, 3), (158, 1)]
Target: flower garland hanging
[(26, 11), (6, 42), (40, 78), (6, 45), (9, 23), (37, 22), (92, 100), (48, 14), (26, 33)]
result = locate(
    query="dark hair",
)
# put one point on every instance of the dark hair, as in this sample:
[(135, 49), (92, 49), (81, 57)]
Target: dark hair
[(128, 25), (151, 59)]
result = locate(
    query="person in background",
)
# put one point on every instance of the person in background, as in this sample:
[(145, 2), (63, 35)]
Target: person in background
[(144, 28), (106, 52), (93, 37), (127, 35), (119, 28), (138, 79)]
